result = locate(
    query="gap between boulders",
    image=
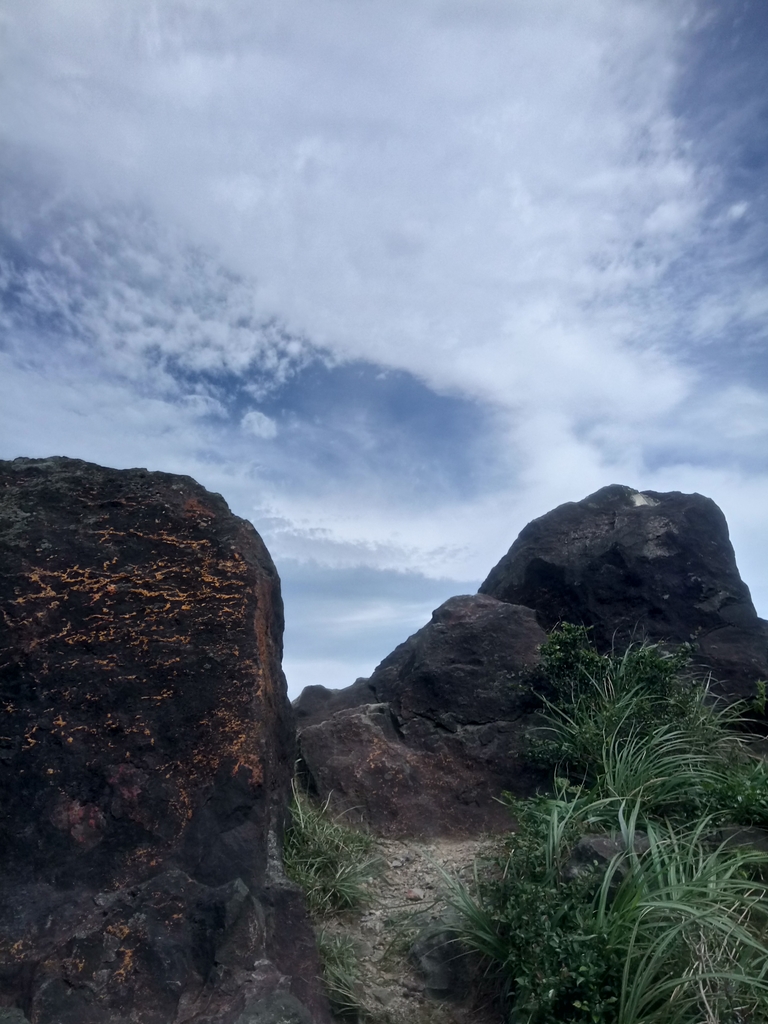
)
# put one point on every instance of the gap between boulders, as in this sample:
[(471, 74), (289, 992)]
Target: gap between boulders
[(402, 981)]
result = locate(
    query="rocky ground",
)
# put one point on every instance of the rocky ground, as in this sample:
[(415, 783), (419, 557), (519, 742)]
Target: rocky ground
[(407, 973)]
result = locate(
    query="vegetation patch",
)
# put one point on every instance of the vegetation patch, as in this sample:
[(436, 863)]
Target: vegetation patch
[(331, 862), (669, 926), (341, 974)]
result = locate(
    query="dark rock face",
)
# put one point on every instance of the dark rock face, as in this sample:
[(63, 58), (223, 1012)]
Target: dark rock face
[(656, 565), (442, 961), (147, 745), (438, 729)]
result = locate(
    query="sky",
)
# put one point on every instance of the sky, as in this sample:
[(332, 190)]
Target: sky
[(393, 276)]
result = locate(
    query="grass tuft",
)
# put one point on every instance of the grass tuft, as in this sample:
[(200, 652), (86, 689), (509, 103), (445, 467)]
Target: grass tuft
[(341, 975), (636, 724), (329, 861), (669, 931)]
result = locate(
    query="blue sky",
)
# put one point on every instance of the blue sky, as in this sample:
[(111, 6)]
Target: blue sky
[(393, 277)]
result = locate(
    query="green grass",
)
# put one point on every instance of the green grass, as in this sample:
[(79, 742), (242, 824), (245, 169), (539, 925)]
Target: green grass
[(331, 862), (594, 698), (638, 724), (672, 930), (341, 974)]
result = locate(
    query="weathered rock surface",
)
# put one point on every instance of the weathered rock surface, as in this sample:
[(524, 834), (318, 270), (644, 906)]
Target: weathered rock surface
[(147, 744), (438, 729), (630, 564), (442, 962)]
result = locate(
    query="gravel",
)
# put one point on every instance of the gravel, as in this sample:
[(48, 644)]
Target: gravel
[(406, 901)]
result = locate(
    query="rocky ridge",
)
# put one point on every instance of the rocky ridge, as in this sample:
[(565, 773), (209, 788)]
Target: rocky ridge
[(445, 734)]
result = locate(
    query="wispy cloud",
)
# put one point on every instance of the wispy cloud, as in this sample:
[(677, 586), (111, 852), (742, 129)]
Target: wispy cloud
[(110, 283)]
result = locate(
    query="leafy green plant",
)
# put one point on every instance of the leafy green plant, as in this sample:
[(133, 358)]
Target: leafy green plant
[(569, 660), (571, 665), (667, 932), (741, 792), (633, 722), (330, 861), (532, 931), (671, 930)]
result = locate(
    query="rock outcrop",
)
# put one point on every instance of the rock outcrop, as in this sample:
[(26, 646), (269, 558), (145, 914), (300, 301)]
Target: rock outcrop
[(631, 564), (432, 739), (438, 731), (147, 745)]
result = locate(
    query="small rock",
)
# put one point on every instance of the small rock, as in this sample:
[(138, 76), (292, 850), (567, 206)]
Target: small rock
[(364, 949), (414, 894), (440, 960), (596, 852), (383, 996)]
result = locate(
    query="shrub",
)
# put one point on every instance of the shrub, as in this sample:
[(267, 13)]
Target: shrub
[(671, 930), (634, 723), (742, 793), (571, 664), (534, 934), (668, 934)]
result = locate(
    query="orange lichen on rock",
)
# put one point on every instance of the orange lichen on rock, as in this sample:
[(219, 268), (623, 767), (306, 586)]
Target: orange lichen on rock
[(149, 743)]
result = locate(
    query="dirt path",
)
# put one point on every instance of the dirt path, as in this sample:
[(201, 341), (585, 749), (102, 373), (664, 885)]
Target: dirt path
[(407, 901)]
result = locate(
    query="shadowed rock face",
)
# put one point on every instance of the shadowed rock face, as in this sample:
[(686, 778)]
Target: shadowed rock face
[(146, 748), (656, 565), (425, 745)]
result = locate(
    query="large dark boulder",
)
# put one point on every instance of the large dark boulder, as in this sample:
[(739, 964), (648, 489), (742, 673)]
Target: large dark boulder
[(146, 751), (432, 739), (641, 565)]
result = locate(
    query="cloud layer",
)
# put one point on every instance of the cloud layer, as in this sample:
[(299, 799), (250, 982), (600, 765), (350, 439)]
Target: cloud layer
[(393, 277)]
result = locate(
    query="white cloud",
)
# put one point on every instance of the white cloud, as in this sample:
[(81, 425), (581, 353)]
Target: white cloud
[(405, 182), (259, 425), (115, 290)]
